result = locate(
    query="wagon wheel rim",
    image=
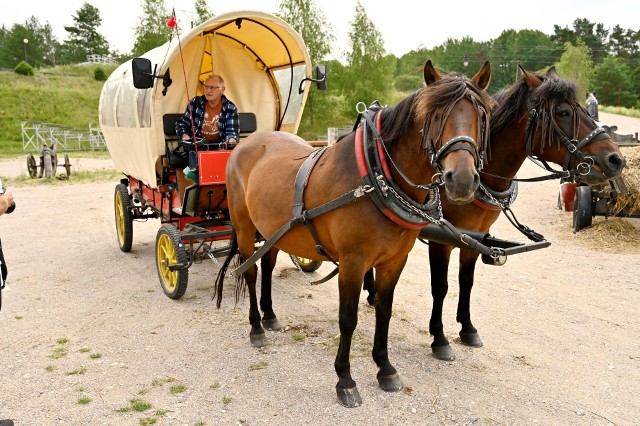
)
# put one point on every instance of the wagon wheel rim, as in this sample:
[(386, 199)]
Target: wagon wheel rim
[(167, 256), (67, 164), (120, 223), (31, 166)]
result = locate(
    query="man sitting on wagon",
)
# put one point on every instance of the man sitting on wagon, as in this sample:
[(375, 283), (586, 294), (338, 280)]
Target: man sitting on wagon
[(215, 120)]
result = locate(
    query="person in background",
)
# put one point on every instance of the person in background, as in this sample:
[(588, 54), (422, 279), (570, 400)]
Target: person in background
[(215, 120), (592, 105)]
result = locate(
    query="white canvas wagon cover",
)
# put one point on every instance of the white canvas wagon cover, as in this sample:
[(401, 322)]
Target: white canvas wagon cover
[(261, 58)]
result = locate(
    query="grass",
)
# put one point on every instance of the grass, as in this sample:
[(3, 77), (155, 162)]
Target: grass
[(628, 112), (67, 96), (136, 404), (84, 176), (260, 365), (58, 353), (177, 388), (84, 400)]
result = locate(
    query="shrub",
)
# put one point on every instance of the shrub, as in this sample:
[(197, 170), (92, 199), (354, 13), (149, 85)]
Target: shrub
[(23, 68), (99, 74), (408, 83)]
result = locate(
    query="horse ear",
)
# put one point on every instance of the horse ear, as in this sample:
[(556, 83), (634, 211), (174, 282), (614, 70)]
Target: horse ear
[(531, 80), (430, 73), (482, 77), (551, 73)]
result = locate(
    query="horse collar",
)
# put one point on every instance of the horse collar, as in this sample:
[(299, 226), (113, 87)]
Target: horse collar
[(489, 199), (374, 169)]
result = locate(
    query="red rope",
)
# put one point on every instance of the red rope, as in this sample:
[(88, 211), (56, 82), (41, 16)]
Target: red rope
[(184, 73)]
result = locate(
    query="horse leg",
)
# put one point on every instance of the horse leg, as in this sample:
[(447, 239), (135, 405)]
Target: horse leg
[(386, 280), (370, 286), (439, 256), (349, 283), (246, 235), (468, 333), (267, 263)]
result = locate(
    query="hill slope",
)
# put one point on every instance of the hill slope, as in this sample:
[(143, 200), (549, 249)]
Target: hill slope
[(67, 96)]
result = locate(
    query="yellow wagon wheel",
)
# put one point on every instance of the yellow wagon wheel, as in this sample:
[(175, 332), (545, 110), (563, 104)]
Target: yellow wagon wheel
[(171, 251), (124, 217), (307, 265)]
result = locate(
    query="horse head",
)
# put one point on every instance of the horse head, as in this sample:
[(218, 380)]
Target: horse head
[(556, 115), (455, 111)]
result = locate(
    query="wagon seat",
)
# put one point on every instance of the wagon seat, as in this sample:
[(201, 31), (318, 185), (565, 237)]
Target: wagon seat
[(175, 152)]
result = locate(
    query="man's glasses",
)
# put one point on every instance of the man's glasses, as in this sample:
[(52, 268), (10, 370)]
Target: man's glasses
[(212, 87)]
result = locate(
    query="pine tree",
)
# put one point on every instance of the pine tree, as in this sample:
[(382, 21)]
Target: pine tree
[(84, 38)]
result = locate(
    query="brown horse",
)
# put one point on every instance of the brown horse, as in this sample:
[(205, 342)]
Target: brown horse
[(538, 116), (446, 119)]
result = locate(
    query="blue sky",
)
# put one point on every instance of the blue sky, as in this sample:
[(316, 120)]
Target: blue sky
[(405, 24)]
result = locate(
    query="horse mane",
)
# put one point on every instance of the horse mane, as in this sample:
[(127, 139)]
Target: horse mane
[(545, 98), (421, 105)]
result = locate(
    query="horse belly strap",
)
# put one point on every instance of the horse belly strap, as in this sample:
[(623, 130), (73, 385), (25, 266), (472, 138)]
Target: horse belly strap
[(302, 178)]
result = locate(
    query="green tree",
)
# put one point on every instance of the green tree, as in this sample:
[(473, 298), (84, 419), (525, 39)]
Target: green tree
[(370, 72), (203, 12), (83, 37), (612, 81), (531, 49), (312, 25), (591, 34), (40, 43), (151, 30), (575, 64)]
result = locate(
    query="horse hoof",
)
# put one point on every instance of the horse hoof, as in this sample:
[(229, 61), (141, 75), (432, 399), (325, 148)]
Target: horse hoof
[(349, 398), (258, 340), (271, 324), (443, 353), (371, 300), (471, 339), (390, 383)]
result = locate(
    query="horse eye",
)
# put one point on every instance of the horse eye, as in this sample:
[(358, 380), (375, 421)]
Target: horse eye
[(563, 113)]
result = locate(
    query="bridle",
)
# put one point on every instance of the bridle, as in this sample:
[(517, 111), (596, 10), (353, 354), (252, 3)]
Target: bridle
[(573, 145), (458, 142)]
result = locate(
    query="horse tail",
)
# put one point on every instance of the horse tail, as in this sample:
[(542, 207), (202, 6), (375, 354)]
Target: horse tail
[(219, 284)]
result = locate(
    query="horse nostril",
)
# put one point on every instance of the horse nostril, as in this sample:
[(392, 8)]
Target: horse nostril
[(448, 178), (616, 161)]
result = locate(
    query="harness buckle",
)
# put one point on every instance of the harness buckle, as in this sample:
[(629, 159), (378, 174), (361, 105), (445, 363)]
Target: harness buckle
[(361, 190), (571, 147), (383, 185)]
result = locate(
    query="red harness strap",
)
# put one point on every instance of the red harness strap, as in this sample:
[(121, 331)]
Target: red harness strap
[(362, 168)]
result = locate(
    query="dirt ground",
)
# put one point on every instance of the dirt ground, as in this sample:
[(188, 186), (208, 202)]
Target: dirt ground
[(87, 335)]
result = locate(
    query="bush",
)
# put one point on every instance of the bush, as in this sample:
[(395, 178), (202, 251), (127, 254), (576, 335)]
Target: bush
[(409, 83), (23, 68), (99, 74)]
